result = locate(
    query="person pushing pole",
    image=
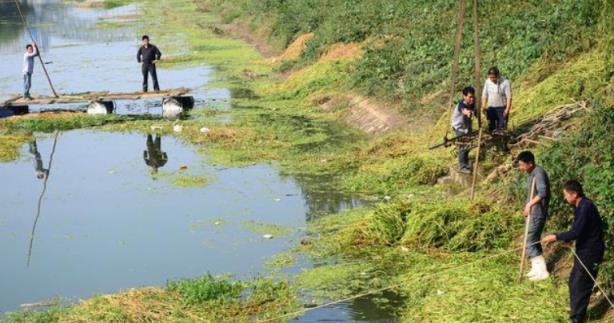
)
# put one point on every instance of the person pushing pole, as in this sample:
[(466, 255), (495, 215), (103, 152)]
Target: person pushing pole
[(587, 232), (29, 79)]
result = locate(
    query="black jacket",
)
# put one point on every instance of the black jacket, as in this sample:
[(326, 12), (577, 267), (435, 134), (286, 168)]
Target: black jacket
[(587, 230), (149, 54)]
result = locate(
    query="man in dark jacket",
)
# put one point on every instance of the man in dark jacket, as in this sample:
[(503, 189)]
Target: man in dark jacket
[(587, 231), (148, 55)]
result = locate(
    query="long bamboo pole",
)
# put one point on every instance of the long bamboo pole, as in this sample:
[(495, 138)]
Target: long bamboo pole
[(460, 20), (478, 92), (25, 23)]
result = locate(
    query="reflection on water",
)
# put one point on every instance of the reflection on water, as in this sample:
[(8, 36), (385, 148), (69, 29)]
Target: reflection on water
[(364, 309), (55, 18), (102, 215), (41, 173), (320, 202), (154, 156)]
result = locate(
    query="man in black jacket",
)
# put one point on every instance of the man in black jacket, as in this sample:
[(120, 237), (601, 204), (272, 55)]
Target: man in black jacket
[(587, 231), (148, 55)]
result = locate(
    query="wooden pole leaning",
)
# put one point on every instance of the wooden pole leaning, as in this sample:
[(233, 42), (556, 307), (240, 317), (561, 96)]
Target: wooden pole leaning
[(478, 92)]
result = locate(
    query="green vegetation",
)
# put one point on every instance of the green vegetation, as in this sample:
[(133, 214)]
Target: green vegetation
[(205, 288), (266, 228), (202, 299), (110, 4), (408, 44), (446, 256), (191, 181)]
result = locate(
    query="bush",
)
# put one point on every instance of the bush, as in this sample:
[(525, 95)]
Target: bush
[(586, 155)]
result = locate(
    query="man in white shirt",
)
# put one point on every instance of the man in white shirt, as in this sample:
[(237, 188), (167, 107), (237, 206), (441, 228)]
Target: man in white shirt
[(28, 68), (497, 96)]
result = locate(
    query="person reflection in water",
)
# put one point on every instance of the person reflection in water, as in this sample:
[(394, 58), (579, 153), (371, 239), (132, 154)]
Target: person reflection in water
[(41, 173), (154, 156)]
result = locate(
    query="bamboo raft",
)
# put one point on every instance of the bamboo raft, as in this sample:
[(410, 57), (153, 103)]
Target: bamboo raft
[(86, 97)]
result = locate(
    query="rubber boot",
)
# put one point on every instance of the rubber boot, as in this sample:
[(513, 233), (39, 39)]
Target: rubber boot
[(541, 270), (533, 270)]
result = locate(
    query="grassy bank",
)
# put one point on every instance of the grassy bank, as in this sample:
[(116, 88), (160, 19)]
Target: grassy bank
[(429, 243), (203, 299)]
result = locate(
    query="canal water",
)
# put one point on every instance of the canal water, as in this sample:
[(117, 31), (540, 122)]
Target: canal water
[(109, 217)]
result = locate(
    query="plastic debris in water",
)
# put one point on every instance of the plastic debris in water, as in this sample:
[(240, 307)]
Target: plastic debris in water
[(277, 200), (268, 236), (387, 198), (204, 129), (177, 128), (183, 167)]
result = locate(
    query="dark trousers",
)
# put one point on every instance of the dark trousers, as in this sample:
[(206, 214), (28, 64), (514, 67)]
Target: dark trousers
[(581, 287), (148, 68), (496, 118), (463, 153)]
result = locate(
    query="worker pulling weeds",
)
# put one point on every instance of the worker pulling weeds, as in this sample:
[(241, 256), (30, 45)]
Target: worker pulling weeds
[(28, 68), (537, 207), (587, 231)]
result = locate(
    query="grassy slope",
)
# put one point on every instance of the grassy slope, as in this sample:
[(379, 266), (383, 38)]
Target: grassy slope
[(284, 126), (549, 67)]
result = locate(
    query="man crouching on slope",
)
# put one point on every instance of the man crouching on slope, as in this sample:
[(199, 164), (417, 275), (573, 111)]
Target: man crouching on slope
[(587, 231), (537, 206), (461, 123)]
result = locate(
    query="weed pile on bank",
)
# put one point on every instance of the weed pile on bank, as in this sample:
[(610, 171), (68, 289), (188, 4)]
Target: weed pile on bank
[(203, 299)]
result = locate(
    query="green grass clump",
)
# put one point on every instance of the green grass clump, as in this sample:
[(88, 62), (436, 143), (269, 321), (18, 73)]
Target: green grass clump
[(460, 225), (266, 228), (190, 181), (110, 4), (386, 225), (10, 144), (205, 288), (395, 174)]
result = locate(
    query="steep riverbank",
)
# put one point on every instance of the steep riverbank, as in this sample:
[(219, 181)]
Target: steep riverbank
[(448, 261)]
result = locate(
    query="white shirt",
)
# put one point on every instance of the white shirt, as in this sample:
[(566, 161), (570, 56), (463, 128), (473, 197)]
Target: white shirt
[(28, 61), (497, 94)]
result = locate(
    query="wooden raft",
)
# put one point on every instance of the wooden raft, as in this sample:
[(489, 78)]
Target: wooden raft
[(92, 96)]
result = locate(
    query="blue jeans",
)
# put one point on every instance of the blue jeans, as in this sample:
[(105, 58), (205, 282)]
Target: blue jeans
[(536, 226), (496, 118), (27, 84)]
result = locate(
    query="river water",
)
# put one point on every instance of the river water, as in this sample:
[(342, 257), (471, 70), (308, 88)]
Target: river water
[(105, 220)]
